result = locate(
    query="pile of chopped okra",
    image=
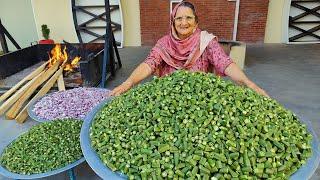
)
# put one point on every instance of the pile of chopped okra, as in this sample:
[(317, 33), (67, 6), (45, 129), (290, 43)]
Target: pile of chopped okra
[(45, 147), (198, 126)]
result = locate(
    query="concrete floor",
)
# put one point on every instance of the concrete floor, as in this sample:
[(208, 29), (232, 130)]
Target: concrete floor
[(289, 73)]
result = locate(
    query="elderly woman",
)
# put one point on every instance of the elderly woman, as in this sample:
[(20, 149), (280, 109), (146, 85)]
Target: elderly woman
[(186, 47)]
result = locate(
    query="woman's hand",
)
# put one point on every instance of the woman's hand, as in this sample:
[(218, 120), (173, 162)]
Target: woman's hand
[(238, 76), (124, 87), (140, 73), (256, 88)]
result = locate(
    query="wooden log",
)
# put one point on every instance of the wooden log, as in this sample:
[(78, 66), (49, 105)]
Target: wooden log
[(60, 82), (27, 78), (14, 110), (8, 103), (22, 116)]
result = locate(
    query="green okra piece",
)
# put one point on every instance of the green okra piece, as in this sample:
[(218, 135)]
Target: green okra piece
[(246, 159), (203, 161), (205, 177), (235, 165), (265, 175), (267, 164), (279, 145), (111, 166), (224, 170), (234, 174), (227, 176), (143, 175), (261, 154), (174, 149), (179, 173), (231, 143), (219, 176), (234, 155), (253, 161), (219, 164), (192, 162), (260, 160), (168, 166), (194, 170), (204, 170), (268, 154), (186, 169), (176, 159), (214, 169), (188, 158), (196, 157), (155, 164), (180, 165), (282, 168), (244, 177), (220, 157), (246, 169), (270, 171), (163, 148), (146, 151), (199, 152)]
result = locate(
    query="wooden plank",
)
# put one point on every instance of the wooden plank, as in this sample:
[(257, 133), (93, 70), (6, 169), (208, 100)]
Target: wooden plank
[(7, 104), (22, 116), (20, 83), (11, 114), (60, 82)]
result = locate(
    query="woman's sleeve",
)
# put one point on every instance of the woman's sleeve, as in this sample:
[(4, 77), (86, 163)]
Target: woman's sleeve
[(218, 58), (153, 60)]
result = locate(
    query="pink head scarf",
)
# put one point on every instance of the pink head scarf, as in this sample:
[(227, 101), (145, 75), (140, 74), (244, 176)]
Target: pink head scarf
[(182, 54)]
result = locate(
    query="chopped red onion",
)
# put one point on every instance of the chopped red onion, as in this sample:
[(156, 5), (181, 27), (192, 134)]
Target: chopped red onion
[(75, 103)]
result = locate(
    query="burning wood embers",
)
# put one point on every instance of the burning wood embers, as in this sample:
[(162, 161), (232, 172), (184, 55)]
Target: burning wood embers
[(15, 100)]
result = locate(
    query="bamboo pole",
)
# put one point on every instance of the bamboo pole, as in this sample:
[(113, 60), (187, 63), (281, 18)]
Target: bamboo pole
[(28, 77), (13, 111), (22, 116), (7, 104)]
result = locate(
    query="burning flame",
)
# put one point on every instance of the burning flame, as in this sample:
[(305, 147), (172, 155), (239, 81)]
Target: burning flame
[(61, 56)]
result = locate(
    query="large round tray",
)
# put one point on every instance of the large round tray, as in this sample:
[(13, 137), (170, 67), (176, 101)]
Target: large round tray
[(9, 174), (304, 172), (31, 107), (89, 153)]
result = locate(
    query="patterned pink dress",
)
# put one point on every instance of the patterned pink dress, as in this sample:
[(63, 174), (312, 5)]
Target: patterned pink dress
[(213, 59)]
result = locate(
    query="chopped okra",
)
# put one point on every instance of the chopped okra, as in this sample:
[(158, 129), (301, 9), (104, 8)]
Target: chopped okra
[(45, 147), (198, 126)]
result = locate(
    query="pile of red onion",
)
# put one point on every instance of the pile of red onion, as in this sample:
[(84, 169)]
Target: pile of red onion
[(75, 103)]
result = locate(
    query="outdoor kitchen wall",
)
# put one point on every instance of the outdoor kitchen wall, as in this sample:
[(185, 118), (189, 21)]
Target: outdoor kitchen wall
[(131, 20), (17, 17), (276, 25), (57, 15), (215, 16)]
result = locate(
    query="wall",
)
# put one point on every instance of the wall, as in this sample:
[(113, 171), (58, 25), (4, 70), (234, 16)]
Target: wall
[(252, 20), (215, 16), (57, 15), (276, 27), (131, 20), (18, 19)]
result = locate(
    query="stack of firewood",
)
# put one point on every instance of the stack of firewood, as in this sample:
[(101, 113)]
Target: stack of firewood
[(17, 99)]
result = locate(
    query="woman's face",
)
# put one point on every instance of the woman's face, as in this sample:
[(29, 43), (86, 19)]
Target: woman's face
[(184, 22)]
